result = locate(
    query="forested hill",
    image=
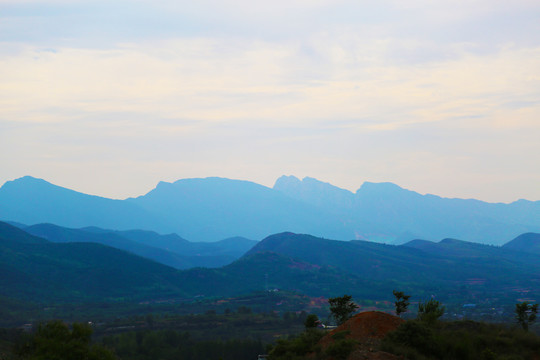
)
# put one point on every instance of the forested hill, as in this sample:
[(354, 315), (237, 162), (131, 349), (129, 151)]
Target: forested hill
[(37, 270), (448, 264), (529, 243), (34, 268)]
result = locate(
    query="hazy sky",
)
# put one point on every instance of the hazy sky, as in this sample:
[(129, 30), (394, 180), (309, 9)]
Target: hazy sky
[(110, 97)]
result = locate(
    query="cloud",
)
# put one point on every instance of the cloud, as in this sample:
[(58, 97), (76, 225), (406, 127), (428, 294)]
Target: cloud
[(323, 87), (201, 79)]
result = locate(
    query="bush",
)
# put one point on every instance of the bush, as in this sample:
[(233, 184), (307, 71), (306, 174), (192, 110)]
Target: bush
[(430, 311), (411, 334), (297, 347), (312, 321), (341, 349), (460, 340), (341, 334), (55, 340)]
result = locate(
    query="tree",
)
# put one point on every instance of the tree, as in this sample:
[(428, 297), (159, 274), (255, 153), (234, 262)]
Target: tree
[(402, 302), (311, 321), (342, 308), (430, 311), (526, 314), (55, 340)]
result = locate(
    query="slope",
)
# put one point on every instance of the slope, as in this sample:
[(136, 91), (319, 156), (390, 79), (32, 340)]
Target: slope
[(33, 268), (528, 243), (31, 201), (434, 266), (271, 272)]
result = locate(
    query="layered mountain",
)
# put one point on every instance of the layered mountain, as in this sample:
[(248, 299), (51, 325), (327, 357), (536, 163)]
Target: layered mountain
[(170, 250), (35, 269), (215, 208)]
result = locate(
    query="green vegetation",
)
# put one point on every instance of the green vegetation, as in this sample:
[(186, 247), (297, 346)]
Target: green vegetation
[(143, 310), (340, 349), (240, 333), (464, 340), (312, 321), (307, 343), (342, 308), (236, 333), (526, 314), (402, 302), (56, 341), (176, 345), (297, 347), (430, 311), (34, 268), (61, 275)]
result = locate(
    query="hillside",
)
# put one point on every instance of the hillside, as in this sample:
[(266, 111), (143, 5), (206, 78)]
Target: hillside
[(71, 272), (366, 330), (373, 335), (33, 268), (448, 265), (527, 243), (271, 271)]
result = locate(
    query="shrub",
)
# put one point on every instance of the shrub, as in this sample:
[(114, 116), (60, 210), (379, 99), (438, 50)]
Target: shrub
[(412, 334), (430, 311), (341, 349)]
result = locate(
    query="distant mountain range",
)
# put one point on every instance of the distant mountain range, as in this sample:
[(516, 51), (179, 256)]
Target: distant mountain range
[(210, 209)]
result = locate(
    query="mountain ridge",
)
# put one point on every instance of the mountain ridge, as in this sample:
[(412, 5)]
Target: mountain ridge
[(207, 209)]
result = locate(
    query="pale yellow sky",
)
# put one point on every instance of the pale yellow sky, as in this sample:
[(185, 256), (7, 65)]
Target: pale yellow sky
[(109, 98)]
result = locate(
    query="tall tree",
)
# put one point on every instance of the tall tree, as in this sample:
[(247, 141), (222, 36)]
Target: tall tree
[(402, 302), (342, 308), (526, 314), (312, 321)]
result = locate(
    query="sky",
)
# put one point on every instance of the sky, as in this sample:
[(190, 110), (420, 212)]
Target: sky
[(111, 97)]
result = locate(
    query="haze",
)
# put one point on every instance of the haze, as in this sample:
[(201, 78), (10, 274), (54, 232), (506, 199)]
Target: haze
[(110, 97)]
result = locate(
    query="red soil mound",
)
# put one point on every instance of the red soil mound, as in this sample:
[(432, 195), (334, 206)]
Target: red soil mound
[(368, 328)]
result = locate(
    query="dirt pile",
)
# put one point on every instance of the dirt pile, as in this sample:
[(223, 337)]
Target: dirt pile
[(367, 328)]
